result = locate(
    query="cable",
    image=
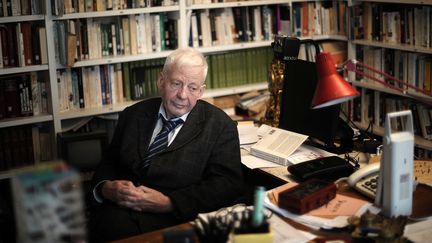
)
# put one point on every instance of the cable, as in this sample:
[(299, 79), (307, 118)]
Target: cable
[(355, 125)]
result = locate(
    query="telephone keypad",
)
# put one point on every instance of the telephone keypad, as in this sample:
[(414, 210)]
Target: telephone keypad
[(368, 186)]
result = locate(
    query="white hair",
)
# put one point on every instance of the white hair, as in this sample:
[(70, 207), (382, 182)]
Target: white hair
[(186, 57)]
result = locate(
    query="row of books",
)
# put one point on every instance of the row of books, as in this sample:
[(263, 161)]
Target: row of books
[(60, 7), (115, 83), (191, 2), (241, 24), (84, 39), (142, 78), (90, 86), (389, 23), (420, 153), (225, 70), (374, 112), (319, 18), (24, 145), (22, 44), (23, 95), (412, 68), (21, 7), (239, 67)]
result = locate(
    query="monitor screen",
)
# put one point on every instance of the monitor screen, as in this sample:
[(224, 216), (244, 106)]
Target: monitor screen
[(300, 79), (83, 150)]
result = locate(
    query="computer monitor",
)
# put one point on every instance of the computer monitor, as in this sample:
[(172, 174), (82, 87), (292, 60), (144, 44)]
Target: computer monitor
[(83, 151), (300, 79)]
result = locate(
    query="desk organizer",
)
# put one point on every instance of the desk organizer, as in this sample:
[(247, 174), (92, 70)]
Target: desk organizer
[(253, 237), (261, 234)]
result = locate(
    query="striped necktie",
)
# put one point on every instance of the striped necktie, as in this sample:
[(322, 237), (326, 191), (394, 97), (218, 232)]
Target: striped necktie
[(160, 142)]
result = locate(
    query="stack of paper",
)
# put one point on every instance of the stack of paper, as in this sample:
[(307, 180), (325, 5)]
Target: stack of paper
[(334, 214)]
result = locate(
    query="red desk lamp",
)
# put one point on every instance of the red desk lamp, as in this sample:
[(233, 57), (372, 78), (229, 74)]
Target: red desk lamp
[(331, 88)]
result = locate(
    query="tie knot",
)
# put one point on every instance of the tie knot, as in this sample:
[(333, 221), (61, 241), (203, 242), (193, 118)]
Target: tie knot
[(170, 125)]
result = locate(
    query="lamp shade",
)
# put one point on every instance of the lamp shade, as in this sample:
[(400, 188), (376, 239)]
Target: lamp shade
[(331, 88)]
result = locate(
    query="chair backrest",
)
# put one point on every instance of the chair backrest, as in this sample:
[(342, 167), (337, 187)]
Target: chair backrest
[(83, 151)]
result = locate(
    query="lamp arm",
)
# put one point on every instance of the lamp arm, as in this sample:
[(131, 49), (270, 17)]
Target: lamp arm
[(350, 65)]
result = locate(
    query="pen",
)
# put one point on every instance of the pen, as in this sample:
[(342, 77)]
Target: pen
[(257, 216)]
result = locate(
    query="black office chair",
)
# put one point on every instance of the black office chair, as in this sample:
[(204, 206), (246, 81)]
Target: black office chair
[(7, 216), (83, 151)]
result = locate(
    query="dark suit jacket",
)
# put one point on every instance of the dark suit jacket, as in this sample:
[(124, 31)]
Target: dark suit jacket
[(201, 169)]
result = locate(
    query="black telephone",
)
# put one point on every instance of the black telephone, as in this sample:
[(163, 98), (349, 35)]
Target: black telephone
[(327, 168)]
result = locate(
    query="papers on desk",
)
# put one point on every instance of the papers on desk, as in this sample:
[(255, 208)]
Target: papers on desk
[(418, 232), (332, 215), (306, 152), (253, 162), (249, 135), (303, 153), (282, 231)]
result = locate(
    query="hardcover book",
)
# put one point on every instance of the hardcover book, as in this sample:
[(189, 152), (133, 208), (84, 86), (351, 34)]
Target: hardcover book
[(277, 144)]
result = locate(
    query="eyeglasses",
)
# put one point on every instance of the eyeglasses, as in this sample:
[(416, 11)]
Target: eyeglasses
[(193, 89)]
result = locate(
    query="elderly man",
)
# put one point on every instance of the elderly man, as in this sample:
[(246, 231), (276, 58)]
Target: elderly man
[(170, 158)]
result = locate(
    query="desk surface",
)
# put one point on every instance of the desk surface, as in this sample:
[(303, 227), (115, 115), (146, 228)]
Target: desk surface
[(422, 200), (154, 236)]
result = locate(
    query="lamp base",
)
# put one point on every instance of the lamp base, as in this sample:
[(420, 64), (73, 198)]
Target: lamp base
[(342, 141)]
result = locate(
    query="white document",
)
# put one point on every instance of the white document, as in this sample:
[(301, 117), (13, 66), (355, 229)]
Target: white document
[(253, 162), (277, 144), (247, 133), (284, 232), (306, 152), (419, 232), (317, 222)]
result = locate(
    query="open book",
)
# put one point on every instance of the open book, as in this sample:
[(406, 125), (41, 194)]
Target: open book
[(277, 144)]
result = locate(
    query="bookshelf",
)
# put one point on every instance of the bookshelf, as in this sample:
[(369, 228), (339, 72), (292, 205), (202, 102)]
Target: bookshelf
[(25, 87), (70, 51), (384, 36)]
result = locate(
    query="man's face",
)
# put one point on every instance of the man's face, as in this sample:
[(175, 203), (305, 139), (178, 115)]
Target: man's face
[(180, 89)]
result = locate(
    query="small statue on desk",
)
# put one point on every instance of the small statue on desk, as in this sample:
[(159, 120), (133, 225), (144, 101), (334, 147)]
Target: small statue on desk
[(284, 49), (378, 228)]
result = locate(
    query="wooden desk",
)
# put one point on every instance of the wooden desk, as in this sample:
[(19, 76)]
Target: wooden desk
[(421, 208), (266, 177), (154, 236)]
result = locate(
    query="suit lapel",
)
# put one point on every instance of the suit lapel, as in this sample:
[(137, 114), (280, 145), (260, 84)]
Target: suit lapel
[(146, 124), (191, 129)]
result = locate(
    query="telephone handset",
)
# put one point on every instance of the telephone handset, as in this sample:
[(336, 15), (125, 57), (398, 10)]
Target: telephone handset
[(365, 180)]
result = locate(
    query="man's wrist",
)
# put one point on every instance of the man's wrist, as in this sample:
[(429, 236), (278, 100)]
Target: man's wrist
[(97, 192)]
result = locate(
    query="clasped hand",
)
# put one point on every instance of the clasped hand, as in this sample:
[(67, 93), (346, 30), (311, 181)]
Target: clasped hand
[(139, 198)]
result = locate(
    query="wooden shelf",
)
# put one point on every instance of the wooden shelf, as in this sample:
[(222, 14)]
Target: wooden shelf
[(419, 141), (18, 121), (16, 70), (402, 47), (114, 13)]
